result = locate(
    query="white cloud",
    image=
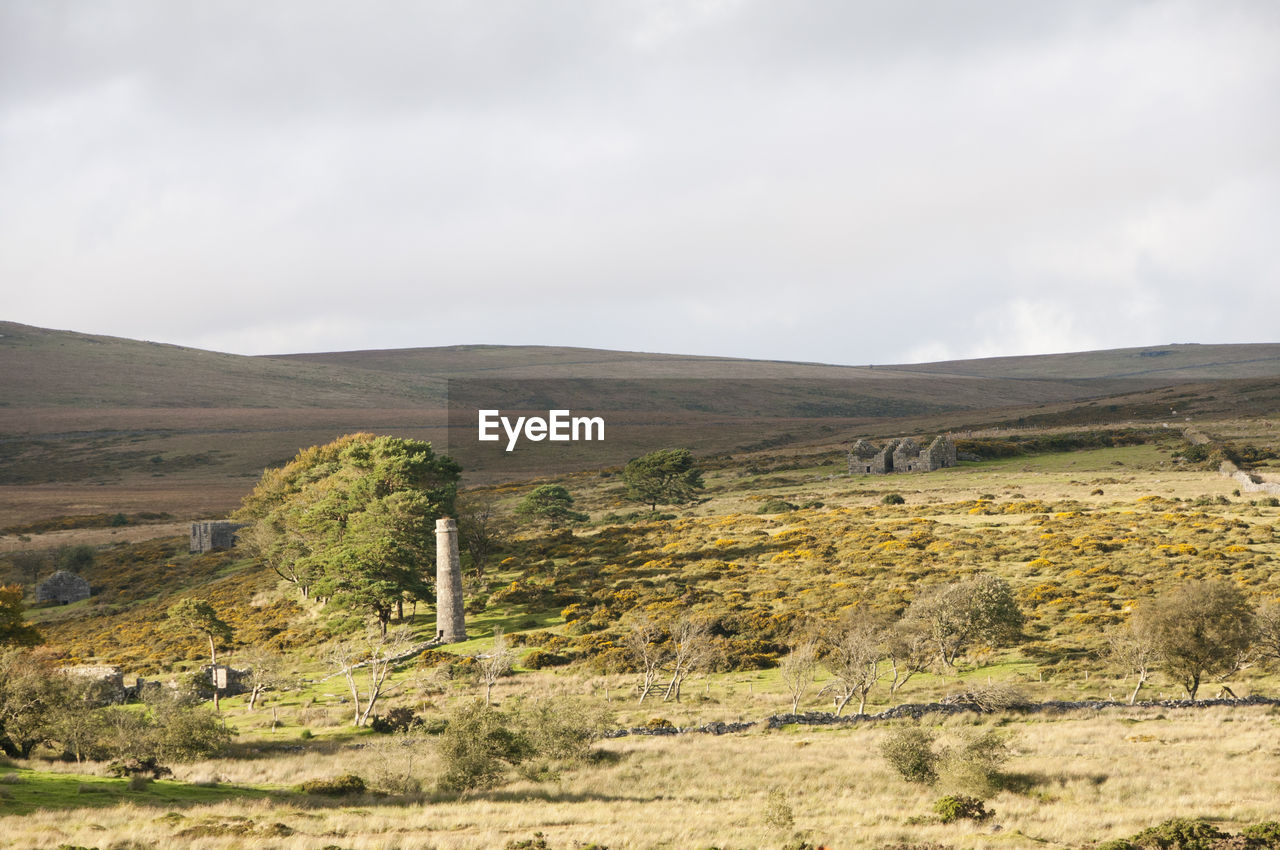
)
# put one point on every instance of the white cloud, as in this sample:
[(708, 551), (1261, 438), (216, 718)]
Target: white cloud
[(815, 181)]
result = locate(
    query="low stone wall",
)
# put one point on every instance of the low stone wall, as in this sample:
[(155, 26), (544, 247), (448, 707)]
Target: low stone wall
[(1249, 482), (919, 710)]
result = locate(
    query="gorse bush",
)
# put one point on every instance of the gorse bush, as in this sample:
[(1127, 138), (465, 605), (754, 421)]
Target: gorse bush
[(909, 751), (973, 764), (950, 809), (338, 786), (480, 743), (970, 765), (777, 811), (477, 746)]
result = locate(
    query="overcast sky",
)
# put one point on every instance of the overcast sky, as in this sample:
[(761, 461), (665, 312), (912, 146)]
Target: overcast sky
[(847, 182)]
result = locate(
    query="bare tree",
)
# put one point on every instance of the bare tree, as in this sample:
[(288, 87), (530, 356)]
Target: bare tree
[(1267, 621), (29, 565), (646, 644), (375, 655), (266, 673), (495, 663), (853, 652), (799, 669), (910, 651), (1132, 648), (692, 649)]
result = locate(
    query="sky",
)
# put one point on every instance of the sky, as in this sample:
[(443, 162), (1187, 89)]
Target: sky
[(844, 182)]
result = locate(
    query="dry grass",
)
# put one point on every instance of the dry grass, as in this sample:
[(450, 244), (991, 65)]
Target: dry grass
[(1088, 777)]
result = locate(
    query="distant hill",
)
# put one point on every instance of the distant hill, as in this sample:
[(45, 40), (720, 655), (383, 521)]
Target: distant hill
[(94, 423)]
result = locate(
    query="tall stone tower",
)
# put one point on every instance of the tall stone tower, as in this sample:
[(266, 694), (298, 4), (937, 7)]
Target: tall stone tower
[(451, 626)]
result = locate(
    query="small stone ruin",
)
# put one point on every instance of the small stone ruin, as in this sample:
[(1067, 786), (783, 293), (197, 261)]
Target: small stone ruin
[(210, 535), (62, 588), (901, 456)]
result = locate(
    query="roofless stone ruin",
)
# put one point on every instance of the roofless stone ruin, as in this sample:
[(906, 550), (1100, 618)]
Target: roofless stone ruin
[(903, 455)]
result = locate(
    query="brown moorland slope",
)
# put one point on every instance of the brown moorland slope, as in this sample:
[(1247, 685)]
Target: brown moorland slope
[(93, 424)]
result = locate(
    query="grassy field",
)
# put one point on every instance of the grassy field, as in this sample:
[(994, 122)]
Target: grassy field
[(1080, 777), (784, 540)]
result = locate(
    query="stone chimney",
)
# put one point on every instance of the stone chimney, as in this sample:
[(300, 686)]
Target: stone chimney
[(451, 626)]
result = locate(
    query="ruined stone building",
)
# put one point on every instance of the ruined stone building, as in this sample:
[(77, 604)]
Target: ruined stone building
[(903, 455), (208, 536), (62, 588)]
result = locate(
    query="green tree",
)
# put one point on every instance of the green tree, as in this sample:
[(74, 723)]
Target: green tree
[(664, 477), (13, 629), (551, 504), (199, 617), (30, 693), (352, 521), (77, 558), (956, 615), (1203, 628)]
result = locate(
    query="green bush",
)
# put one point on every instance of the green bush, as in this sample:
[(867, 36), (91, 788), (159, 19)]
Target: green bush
[(339, 786), (776, 506), (972, 766), (1116, 844), (1179, 834), (950, 809), (539, 659), (893, 499), (399, 719), (1265, 834), (477, 746), (909, 751)]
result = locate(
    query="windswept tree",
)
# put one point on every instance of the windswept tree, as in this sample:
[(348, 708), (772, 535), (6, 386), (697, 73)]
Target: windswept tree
[(351, 521), (266, 673), (1201, 629), (1268, 631), (957, 615), (646, 644), (692, 650), (799, 669), (665, 477), (852, 652), (551, 505), (908, 650), (197, 616), (495, 663), (366, 664), (1133, 648)]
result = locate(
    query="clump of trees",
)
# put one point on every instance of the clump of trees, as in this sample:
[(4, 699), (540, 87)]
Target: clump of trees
[(481, 744), (859, 651), (67, 716), (352, 521), (971, 762), (673, 650)]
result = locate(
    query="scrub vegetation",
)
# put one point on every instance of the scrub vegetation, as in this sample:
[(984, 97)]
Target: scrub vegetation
[(1119, 570)]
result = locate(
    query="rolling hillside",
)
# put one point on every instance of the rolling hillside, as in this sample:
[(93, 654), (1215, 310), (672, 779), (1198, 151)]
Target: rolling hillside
[(93, 423)]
